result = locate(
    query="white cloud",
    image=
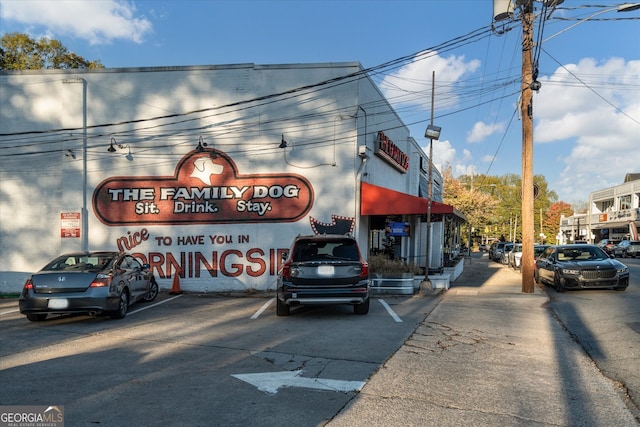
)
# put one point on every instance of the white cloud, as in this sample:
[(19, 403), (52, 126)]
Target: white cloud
[(488, 158), (601, 121), (98, 22), (445, 155), (411, 84), (482, 130)]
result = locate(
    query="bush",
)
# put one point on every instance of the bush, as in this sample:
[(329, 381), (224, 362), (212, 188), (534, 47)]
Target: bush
[(380, 264)]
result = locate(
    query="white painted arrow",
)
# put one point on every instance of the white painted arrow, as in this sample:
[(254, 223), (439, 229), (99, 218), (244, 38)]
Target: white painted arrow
[(270, 382)]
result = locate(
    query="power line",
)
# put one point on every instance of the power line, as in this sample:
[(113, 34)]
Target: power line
[(591, 89)]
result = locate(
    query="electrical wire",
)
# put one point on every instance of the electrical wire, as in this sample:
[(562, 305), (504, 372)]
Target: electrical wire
[(583, 83)]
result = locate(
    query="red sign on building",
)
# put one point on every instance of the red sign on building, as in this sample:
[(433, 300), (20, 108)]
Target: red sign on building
[(70, 224), (389, 152)]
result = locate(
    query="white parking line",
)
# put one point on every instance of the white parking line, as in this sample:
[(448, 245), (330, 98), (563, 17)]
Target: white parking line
[(9, 312), (152, 305), (262, 309), (390, 311)]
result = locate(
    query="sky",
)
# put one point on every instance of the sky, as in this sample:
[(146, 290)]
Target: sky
[(586, 113)]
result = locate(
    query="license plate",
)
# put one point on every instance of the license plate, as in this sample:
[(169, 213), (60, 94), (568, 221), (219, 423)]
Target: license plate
[(325, 270), (58, 303)]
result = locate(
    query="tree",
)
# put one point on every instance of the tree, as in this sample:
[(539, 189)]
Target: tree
[(18, 51), (552, 218), (477, 203), (504, 218)]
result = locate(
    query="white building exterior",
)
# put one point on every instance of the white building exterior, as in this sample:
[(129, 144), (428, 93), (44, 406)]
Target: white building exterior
[(613, 213), (205, 172)]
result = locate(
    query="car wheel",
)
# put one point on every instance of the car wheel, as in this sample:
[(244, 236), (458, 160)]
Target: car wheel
[(123, 306), (36, 317), (362, 308), (282, 309), (556, 283), (153, 290)]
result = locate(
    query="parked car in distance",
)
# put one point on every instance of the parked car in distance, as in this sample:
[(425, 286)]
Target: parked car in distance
[(515, 258), (627, 248), (323, 269), (506, 249), (581, 266), (607, 245), (515, 255), (495, 253), (89, 283), (492, 249)]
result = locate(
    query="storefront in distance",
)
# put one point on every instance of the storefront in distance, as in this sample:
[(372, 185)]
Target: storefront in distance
[(207, 172)]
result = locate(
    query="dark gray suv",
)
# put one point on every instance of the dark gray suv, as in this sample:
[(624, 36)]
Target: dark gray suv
[(323, 269)]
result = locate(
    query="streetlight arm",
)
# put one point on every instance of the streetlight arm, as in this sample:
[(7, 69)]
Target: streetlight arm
[(626, 7)]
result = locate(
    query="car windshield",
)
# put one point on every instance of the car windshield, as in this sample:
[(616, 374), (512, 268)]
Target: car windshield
[(319, 250), (537, 250), (581, 254), (89, 262)]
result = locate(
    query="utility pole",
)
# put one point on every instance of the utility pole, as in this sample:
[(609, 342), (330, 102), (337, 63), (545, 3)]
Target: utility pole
[(526, 109), (430, 184), (432, 132)]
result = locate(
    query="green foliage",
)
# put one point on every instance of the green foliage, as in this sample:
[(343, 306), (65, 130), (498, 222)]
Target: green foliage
[(493, 204), (18, 51), (477, 200)]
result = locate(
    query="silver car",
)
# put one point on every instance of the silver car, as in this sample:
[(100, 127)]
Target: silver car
[(504, 255), (627, 248), (87, 282), (515, 256)]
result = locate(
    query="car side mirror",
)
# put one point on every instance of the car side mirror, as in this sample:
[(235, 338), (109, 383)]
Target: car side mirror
[(284, 256)]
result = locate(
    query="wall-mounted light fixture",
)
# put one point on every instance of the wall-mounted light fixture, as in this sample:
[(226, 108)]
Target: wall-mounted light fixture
[(283, 143), (201, 145), (113, 149)]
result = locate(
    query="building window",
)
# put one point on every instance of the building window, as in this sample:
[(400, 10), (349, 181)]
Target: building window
[(625, 202), (606, 206)]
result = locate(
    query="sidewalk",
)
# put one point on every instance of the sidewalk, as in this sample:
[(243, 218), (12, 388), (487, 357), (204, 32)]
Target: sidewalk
[(488, 355)]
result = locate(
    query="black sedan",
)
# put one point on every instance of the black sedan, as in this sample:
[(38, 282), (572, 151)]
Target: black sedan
[(580, 266), (87, 282)]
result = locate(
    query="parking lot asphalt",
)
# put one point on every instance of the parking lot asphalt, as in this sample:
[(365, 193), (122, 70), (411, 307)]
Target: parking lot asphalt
[(489, 354)]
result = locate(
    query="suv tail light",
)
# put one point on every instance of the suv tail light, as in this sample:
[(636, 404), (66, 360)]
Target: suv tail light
[(28, 284), (286, 271), (364, 270), (101, 280)]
